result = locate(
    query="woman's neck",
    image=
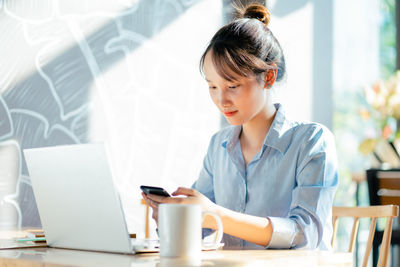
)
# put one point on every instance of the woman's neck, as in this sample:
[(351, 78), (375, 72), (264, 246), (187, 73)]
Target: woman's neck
[(255, 130)]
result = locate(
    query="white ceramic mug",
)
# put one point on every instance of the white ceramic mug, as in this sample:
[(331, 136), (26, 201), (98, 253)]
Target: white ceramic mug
[(179, 227)]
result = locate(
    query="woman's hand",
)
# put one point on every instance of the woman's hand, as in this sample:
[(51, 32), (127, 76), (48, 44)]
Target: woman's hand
[(192, 197), (153, 205), (248, 227)]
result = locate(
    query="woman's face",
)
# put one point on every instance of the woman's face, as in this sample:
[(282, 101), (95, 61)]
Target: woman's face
[(239, 101)]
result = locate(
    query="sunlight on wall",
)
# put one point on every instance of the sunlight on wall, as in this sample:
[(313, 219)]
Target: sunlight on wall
[(124, 73), (295, 93), (153, 108)]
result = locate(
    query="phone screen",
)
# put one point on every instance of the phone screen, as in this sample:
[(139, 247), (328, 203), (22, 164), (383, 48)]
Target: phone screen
[(154, 190)]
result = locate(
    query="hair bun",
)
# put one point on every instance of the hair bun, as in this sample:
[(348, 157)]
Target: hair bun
[(256, 11)]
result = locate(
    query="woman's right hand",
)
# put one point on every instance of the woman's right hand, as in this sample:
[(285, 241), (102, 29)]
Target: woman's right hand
[(153, 205)]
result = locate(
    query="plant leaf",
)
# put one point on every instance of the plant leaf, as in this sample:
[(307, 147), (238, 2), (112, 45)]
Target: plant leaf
[(367, 146)]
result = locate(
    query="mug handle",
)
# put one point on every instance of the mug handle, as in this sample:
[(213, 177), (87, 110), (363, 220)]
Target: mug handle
[(219, 234)]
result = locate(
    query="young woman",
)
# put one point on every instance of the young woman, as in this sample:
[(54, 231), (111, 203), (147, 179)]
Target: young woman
[(272, 181)]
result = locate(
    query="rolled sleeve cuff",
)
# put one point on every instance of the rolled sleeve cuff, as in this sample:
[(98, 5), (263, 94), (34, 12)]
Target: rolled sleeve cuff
[(206, 232), (283, 232)]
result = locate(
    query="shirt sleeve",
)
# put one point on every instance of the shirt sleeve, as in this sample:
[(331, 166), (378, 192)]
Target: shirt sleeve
[(310, 216), (204, 184)]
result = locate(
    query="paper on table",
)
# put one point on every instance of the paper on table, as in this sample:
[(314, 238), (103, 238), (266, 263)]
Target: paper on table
[(12, 244), (34, 239), (34, 233)]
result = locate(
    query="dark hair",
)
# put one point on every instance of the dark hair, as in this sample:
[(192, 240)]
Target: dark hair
[(246, 46)]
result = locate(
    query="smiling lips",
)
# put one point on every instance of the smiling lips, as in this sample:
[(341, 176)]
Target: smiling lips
[(231, 113)]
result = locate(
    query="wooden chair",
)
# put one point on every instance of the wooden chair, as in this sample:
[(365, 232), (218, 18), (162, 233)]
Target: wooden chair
[(384, 186), (374, 212), (146, 220), (384, 189)]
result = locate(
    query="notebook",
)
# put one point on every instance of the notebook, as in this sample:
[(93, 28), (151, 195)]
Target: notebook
[(78, 204)]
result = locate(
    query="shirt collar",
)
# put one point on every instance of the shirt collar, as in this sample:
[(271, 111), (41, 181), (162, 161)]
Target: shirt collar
[(275, 137), (233, 137)]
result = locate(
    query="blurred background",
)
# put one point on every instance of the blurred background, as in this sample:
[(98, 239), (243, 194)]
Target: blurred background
[(126, 73)]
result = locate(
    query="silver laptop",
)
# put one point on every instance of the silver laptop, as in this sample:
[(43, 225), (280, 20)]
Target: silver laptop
[(78, 205)]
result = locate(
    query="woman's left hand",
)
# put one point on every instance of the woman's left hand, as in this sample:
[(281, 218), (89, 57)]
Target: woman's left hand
[(192, 197)]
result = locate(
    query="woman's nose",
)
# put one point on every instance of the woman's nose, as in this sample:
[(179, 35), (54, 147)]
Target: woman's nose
[(224, 100)]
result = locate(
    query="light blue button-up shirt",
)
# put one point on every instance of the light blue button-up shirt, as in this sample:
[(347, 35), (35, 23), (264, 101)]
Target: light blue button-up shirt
[(291, 180)]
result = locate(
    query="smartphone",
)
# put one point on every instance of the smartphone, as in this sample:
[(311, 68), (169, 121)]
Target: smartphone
[(154, 190)]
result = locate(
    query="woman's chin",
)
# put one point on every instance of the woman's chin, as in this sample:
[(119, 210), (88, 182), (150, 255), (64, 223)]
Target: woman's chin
[(232, 121)]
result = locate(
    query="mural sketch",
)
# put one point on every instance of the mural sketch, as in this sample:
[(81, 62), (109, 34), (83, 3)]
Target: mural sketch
[(88, 71)]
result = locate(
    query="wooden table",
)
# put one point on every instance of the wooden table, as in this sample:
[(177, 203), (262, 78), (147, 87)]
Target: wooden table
[(45, 256), (65, 257)]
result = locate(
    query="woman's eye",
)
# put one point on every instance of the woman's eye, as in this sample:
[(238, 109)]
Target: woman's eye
[(233, 86), (212, 87)]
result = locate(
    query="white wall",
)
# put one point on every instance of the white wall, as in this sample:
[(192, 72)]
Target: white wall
[(292, 26), (356, 42)]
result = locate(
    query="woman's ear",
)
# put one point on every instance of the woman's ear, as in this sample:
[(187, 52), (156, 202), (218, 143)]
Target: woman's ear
[(270, 78)]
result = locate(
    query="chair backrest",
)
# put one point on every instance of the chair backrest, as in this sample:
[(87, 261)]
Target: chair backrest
[(384, 186), (372, 212), (146, 220)]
